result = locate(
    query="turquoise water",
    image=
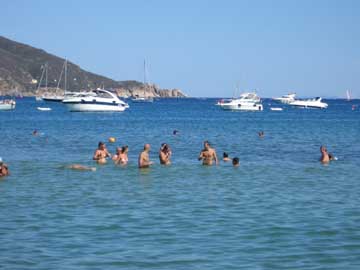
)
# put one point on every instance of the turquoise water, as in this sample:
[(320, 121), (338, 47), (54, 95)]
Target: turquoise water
[(281, 209)]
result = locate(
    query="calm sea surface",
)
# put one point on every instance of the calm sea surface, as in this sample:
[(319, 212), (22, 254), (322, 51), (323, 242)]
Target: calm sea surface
[(281, 209)]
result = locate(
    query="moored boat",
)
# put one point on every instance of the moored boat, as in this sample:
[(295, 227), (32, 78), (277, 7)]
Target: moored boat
[(7, 104), (310, 103), (99, 100), (286, 99), (246, 102)]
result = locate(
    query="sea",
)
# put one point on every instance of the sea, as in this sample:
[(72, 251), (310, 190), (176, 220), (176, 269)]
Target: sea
[(280, 209)]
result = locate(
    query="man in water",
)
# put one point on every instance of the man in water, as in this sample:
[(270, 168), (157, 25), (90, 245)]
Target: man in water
[(101, 153), (236, 162), (165, 154), (80, 167), (144, 160), (208, 154), (4, 170)]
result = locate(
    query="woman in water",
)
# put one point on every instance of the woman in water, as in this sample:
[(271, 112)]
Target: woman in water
[(121, 156), (165, 154)]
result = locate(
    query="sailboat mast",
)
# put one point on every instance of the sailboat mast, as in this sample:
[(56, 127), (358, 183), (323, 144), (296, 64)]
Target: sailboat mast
[(65, 75), (46, 76)]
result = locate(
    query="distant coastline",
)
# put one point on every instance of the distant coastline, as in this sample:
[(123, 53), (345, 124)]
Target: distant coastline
[(21, 68)]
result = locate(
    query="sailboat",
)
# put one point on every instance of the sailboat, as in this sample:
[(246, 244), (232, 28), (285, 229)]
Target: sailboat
[(144, 98), (54, 97), (348, 95), (44, 72)]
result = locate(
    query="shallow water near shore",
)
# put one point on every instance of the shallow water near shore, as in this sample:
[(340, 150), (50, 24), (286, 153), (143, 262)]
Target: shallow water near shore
[(281, 209)]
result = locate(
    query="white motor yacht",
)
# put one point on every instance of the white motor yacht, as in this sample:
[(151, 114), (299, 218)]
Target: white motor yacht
[(310, 103), (286, 98), (246, 102), (7, 104), (99, 100)]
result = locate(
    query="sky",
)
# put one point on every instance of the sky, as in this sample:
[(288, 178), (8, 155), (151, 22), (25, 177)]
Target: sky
[(205, 48)]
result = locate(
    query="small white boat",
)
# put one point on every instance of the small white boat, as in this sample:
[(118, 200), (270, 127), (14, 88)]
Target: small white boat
[(142, 99), (44, 108), (246, 102), (286, 99), (37, 98), (276, 109), (310, 103), (7, 104), (99, 100)]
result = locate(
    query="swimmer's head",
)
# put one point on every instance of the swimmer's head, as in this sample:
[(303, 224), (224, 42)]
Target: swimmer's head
[(236, 161), (206, 144), (147, 147), (101, 145), (124, 149), (225, 155), (323, 149), (118, 150)]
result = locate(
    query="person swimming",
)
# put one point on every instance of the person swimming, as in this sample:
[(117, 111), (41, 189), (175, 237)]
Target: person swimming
[(165, 154), (208, 155), (4, 170), (226, 157), (121, 156), (101, 153), (144, 160), (261, 134), (175, 132), (80, 167), (235, 161)]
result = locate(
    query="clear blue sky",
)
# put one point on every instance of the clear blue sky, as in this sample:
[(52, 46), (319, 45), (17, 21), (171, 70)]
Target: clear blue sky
[(204, 48)]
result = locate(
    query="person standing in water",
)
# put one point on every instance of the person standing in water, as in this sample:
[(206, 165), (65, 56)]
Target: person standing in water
[(326, 157), (165, 154), (121, 156), (208, 155), (144, 160), (101, 153)]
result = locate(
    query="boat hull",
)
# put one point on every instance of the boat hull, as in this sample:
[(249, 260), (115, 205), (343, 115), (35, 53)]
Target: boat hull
[(7, 107), (242, 107), (52, 99), (309, 105), (78, 107)]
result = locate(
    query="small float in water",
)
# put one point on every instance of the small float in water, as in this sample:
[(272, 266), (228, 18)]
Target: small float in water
[(276, 109)]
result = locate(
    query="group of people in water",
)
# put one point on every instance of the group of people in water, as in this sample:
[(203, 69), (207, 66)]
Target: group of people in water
[(207, 156)]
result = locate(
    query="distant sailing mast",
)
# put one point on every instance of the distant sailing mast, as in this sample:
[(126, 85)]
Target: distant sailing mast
[(348, 95), (144, 98)]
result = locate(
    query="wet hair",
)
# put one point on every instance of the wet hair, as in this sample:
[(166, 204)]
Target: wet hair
[(225, 155), (164, 146), (123, 149), (235, 161), (100, 144)]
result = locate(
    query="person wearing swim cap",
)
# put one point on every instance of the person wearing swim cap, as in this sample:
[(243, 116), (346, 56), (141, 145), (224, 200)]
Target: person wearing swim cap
[(101, 153), (4, 170)]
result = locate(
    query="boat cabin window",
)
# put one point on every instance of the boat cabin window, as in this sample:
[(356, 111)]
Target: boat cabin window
[(103, 94)]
